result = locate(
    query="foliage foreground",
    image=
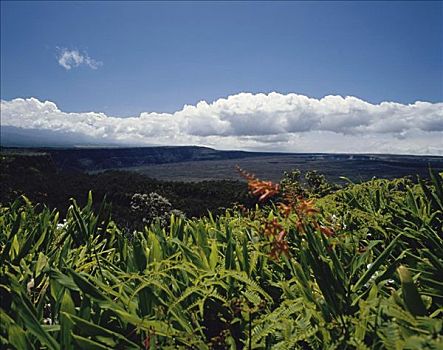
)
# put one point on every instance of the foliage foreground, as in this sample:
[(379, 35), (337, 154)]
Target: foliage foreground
[(361, 268)]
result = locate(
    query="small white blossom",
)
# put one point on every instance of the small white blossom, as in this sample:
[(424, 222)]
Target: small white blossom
[(30, 285), (373, 277), (47, 321), (61, 225)]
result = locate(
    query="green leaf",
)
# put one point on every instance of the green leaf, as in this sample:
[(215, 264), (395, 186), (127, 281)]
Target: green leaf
[(62, 279), (381, 259), (93, 330), (213, 257), (86, 286), (15, 247), (155, 253), (88, 344), (411, 297), (161, 328), (33, 325), (139, 256), (17, 337), (67, 306), (41, 263)]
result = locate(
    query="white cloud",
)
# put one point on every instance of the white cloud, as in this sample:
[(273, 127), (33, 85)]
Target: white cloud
[(73, 58), (277, 122)]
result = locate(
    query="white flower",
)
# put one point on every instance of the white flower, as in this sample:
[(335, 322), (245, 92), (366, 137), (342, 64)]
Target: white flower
[(373, 277), (61, 225), (30, 285), (47, 321)]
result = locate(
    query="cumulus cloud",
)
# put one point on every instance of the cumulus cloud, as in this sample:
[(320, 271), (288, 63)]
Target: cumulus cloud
[(274, 122), (73, 58)]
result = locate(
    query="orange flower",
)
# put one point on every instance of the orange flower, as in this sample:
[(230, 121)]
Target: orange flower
[(292, 203), (306, 207), (264, 189), (327, 231), (280, 246), (300, 227), (272, 228), (246, 175), (285, 209)]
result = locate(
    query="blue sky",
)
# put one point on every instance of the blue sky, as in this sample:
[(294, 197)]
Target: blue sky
[(160, 56), (271, 75)]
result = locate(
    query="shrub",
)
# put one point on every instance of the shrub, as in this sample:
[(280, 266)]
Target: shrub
[(313, 184), (152, 207)]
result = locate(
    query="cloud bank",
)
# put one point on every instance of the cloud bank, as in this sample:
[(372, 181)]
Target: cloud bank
[(73, 58), (274, 122)]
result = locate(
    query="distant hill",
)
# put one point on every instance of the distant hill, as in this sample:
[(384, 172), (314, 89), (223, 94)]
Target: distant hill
[(96, 159), (194, 163)]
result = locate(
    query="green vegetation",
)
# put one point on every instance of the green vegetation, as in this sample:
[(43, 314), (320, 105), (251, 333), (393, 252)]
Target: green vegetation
[(313, 184), (360, 268), (38, 179)]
